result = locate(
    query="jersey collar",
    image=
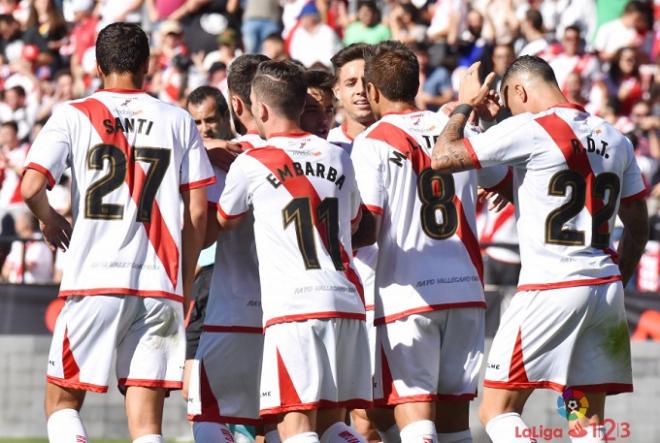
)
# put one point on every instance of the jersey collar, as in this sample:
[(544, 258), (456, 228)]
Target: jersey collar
[(290, 134), (122, 90)]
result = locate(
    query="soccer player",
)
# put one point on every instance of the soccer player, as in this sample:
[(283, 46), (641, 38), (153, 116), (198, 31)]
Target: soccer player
[(351, 93), (319, 112), (429, 274), (210, 112), (305, 202), (225, 375), (573, 172), (140, 171), (350, 90)]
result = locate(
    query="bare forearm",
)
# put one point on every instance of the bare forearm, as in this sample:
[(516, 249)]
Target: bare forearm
[(635, 235), (449, 154), (366, 232)]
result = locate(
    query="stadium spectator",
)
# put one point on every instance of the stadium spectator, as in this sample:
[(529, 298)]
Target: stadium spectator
[(12, 157), (435, 82), (405, 24), (47, 30), (571, 58), (368, 27), (310, 28), (273, 47), (261, 18), (15, 108), (29, 261), (630, 30), (533, 40), (623, 82)]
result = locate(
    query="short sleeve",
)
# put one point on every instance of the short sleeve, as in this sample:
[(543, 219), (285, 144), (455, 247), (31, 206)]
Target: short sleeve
[(507, 143), (234, 200), (50, 153), (633, 186), (214, 191), (493, 177), (369, 174), (196, 170)]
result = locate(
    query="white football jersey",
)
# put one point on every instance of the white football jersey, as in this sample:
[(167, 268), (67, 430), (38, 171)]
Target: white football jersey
[(303, 196), (570, 170), (338, 136), (498, 227), (234, 303), (429, 256), (130, 155)]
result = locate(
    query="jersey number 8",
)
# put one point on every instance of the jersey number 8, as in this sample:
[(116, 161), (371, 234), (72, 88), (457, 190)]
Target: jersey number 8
[(436, 192)]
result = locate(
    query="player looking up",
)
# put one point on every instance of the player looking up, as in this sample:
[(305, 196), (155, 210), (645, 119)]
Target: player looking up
[(429, 273), (572, 174), (305, 202), (135, 162)]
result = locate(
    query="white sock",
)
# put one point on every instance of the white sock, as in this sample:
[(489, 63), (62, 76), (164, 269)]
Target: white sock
[(340, 432), (508, 428), (272, 437), (303, 437), (422, 431), (64, 426), (455, 437), (149, 438), (391, 435), (589, 434), (208, 432)]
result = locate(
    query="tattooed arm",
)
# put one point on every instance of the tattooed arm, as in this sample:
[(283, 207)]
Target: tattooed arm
[(449, 153)]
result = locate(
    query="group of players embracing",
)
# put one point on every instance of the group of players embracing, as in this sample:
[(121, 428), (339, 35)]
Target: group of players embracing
[(347, 281)]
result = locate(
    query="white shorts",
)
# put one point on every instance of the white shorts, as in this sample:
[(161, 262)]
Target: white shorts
[(147, 334), (371, 335), (315, 364), (224, 381), (571, 337), (429, 356)]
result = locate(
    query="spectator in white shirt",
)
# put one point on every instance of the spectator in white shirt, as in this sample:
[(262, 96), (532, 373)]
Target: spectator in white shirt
[(29, 261)]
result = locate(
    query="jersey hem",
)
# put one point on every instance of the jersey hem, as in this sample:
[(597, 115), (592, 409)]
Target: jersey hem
[(429, 308), (356, 403), (137, 382), (315, 316), (239, 329), (639, 196), (380, 402), (568, 284), (37, 167), (119, 291), (609, 388), (374, 209), (222, 419), (76, 385), (197, 184), (473, 155)]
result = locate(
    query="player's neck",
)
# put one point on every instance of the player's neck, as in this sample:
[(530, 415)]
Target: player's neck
[(547, 99), (281, 126), (392, 107), (353, 128), (123, 80)]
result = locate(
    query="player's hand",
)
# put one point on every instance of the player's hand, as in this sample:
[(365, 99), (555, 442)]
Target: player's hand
[(489, 107), (222, 153), (471, 91), (496, 202), (56, 231)]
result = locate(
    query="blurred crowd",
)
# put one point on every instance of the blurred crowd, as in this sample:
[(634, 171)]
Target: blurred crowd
[(605, 55)]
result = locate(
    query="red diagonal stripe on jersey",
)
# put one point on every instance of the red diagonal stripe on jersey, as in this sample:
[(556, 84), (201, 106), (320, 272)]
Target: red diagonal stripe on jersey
[(157, 232), (300, 186), (563, 135), (408, 146)]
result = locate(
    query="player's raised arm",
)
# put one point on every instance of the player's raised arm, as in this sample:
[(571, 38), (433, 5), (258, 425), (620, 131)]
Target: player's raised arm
[(449, 153)]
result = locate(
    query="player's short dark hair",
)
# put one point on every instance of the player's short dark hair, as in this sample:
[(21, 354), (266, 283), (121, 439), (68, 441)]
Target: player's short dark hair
[(10, 124), (241, 73), (318, 79), (636, 6), (574, 28), (350, 53), (533, 65), (281, 85), (394, 70), (198, 95), (122, 47)]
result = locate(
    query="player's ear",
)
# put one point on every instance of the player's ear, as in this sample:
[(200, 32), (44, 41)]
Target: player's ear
[(521, 92), (237, 105), (263, 112), (335, 90), (372, 93)]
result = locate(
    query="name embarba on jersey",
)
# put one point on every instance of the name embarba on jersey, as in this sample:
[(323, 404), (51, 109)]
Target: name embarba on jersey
[(570, 171), (235, 295), (303, 197), (429, 256), (130, 156)]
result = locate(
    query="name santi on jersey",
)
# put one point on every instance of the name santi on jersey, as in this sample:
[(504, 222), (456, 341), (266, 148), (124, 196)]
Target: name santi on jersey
[(309, 169)]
